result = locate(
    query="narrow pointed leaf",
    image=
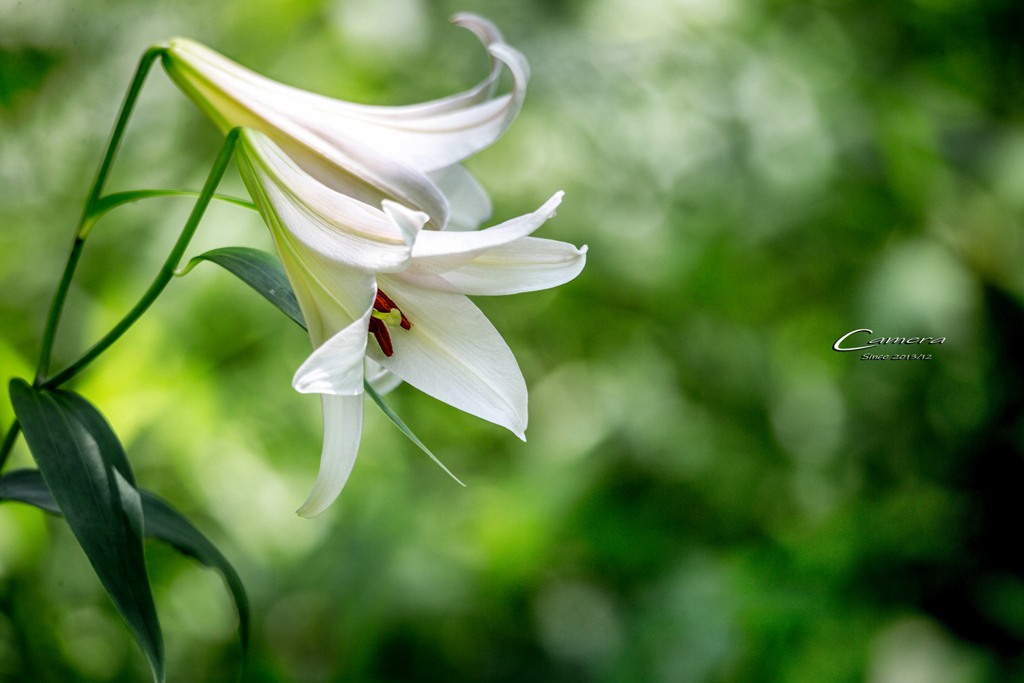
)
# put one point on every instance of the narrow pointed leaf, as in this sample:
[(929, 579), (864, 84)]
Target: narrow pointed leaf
[(27, 486), (86, 469), (112, 201), (163, 522), (393, 416), (261, 271)]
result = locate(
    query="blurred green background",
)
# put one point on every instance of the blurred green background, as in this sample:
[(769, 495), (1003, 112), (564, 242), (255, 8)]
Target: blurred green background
[(709, 492)]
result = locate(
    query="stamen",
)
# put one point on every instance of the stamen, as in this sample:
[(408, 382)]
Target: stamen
[(384, 304), (380, 332), (384, 315)]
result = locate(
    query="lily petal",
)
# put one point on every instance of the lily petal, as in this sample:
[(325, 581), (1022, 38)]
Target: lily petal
[(468, 201), (383, 381), (440, 139), (453, 353), (489, 35), (408, 222), (371, 153), (231, 95), (437, 252), (334, 225), (343, 427), (528, 264), (336, 366), (330, 298), (346, 164)]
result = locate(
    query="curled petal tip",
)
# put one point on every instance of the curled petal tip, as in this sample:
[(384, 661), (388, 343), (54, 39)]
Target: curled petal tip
[(485, 30), (306, 384), (408, 221), (513, 59), (550, 206), (336, 366)]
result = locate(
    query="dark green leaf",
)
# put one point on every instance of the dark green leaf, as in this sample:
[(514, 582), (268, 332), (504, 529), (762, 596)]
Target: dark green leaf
[(261, 271), (87, 471), (27, 486), (163, 522)]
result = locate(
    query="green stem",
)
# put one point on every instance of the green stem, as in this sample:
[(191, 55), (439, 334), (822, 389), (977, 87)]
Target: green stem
[(86, 222), (115, 137), (166, 272), (50, 332), (12, 436)]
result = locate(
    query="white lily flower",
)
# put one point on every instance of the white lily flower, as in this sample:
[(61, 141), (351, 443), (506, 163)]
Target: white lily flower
[(406, 154), (373, 285)]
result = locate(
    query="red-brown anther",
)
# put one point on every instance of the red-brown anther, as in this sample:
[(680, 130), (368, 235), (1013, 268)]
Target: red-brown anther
[(379, 329), (380, 332), (384, 304)]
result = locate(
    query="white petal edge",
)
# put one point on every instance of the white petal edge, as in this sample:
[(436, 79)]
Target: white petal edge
[(343, 427), (332, 152), (336, 367), (336, 226), (203, 60), (317, 141), (527, 265), (433, 142), (383, 381), (488, 34), (408, 221), (468, 202), (425, 143), (453, 353), (432, 247), (336, 296)]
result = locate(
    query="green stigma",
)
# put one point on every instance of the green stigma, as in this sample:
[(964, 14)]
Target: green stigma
[(392, 318)]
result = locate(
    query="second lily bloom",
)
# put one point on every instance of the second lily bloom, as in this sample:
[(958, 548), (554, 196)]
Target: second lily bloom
[(355, 198)]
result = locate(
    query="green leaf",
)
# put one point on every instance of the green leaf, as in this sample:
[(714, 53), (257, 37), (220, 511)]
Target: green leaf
[(393, 416), (27, 486), (87, 471), (163, 522), (261, 271)]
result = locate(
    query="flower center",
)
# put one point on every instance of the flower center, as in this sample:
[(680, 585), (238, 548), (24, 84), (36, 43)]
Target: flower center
[(386, 314)]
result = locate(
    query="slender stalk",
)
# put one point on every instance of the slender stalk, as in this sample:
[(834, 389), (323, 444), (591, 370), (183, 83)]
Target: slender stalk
[(119, 127), (166, 272), (87, 220), (12, 436), (50, 332)]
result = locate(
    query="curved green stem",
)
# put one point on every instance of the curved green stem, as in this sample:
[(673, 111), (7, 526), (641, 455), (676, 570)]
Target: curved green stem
[(85, 224), (12, 436), (166, 272)]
